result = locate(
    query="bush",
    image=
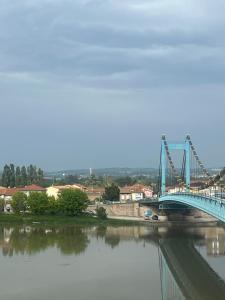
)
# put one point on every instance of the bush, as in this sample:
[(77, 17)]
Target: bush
[(38, 203), (73, 202), (101, 213), (2, 205), (112, 193), (53, 205), (19, 202)]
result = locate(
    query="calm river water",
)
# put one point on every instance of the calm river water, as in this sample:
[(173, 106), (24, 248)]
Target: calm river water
[(99, 263)]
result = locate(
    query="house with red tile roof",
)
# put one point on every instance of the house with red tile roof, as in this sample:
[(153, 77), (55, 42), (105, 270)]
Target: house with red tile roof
[(95, 193), (7, 193), (135, 193), (55, 190)]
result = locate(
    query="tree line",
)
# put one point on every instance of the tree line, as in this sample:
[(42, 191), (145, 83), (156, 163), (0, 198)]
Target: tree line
[(21, 176), (70, 203)]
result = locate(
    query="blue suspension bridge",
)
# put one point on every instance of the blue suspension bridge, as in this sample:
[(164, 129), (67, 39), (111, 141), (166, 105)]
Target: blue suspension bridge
[(209, 197)]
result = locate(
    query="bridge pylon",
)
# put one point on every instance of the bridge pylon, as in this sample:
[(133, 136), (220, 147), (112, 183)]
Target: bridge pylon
[(165, 156)]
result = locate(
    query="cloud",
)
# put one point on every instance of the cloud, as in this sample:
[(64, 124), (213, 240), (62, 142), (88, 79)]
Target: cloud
[(113, 43), (106, 73)]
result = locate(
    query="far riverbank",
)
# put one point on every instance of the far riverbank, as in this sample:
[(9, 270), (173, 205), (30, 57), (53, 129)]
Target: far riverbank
[(49, 219), (88, 220)]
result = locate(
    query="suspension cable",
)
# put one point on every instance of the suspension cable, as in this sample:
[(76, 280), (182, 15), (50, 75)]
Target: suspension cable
[(188, 138), (174, 171), (212, 179)]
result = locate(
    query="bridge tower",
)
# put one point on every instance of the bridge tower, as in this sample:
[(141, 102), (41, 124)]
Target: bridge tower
[(166, 148)]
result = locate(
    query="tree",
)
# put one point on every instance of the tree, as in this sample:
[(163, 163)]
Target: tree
[(38, 203), (19, 202), (2, 205), (53, 205), (40, 176), (125, 180), (101, 213), (23, 176), (112, 193), (73, 202), (30, 173), (12, 177), (6, 176), (18, 177)]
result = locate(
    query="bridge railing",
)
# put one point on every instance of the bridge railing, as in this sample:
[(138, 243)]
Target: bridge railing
[(197, 195)]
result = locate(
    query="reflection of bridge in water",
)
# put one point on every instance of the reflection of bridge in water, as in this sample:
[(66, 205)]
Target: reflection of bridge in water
[(185, 274)]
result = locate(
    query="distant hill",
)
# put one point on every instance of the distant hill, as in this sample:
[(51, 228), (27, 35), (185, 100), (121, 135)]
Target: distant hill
[(105, 172), (113, 172)]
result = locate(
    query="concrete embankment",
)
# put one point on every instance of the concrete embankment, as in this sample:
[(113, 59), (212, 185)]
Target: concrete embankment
[(164, 222), (135, 212)]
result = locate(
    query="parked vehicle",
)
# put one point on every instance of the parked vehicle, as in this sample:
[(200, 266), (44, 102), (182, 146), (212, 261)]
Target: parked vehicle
[(155, 218), (147, 214)]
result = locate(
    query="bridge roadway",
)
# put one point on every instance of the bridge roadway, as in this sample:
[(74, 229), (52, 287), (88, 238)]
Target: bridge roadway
[(185, 274), (211, 205)]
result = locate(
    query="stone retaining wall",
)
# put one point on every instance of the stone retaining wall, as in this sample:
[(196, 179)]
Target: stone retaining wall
[(122, 209)]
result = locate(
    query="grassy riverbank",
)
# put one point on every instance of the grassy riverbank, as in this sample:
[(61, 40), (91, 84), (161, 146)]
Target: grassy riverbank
[(49, 219)]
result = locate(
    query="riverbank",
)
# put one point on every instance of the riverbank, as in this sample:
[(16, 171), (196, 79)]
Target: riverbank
[(164, 223), (49, 219), (89, 220)]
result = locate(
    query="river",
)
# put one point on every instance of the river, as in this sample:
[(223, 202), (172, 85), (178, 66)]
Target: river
[(104, 262)]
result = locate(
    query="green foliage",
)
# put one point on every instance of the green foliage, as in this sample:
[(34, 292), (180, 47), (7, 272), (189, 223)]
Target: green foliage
[(18, 176), (23, 176), (68, 239), (112, 241), (12, 177), (112, 193), (125, 180), (101, 213), (38, 203), (19, 202), (6, 176), (2, 205), (73, 202), (53, 205)]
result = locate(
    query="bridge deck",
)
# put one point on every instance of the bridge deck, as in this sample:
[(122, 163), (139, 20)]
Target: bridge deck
[(211, 205)]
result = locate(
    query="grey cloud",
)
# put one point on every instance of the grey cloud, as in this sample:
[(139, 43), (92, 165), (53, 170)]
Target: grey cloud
[(111, 74), (94, 41)]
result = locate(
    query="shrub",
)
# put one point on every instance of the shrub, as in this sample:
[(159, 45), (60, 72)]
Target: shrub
[(2, 205), (73, 202), (38, 203), (112, 193), (19, 202), (53, 205), (101, 213)]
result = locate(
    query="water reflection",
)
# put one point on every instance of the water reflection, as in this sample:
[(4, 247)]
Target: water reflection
[(31, 239), (184, 272), (68, 239)]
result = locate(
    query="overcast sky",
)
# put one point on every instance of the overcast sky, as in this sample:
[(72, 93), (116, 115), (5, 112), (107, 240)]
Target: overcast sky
[(94, 83)]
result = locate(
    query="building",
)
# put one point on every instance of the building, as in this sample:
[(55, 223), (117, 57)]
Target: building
[(92, 193), (125, 194), (32, 188), (55, 190), (135, 192), (7, 193), (95, 193)]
